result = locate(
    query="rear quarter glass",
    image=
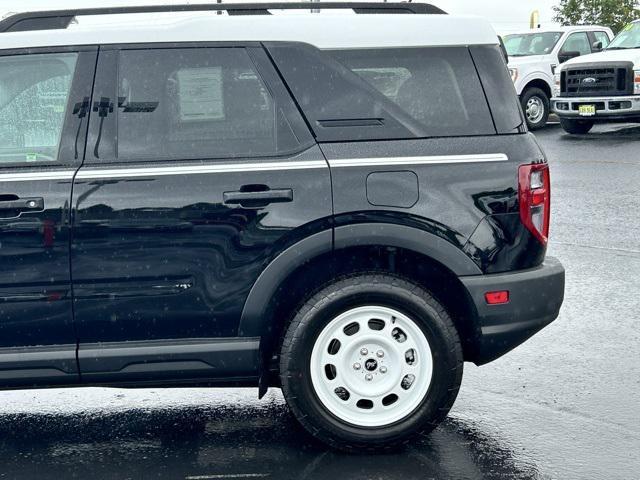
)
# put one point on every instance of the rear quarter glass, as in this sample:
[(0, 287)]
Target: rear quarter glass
[(499, 89), (385, 93)]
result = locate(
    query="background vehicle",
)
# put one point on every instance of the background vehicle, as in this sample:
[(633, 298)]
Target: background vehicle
[(534, 55), (603, 87), (244, 200)]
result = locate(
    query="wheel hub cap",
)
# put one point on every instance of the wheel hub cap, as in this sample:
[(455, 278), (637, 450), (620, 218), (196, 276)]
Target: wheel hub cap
[(535, 109), (371, 366)]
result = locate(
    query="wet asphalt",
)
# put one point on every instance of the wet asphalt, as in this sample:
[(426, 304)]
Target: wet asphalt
[(565, 405)]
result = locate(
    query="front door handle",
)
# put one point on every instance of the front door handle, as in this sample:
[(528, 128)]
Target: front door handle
[(30, 204), (256, 199)]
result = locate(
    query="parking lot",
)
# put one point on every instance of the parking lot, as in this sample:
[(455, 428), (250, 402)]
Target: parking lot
[(564, 405)]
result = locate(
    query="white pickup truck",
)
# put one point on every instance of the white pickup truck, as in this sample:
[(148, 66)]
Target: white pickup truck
[(601, 88), (534, 56)]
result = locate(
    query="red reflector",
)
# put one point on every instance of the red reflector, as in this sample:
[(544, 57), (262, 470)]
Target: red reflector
[(496, 298)]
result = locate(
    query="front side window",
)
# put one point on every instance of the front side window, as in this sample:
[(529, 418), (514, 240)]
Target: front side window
[(191, 103), (528, 44), (34, 94)]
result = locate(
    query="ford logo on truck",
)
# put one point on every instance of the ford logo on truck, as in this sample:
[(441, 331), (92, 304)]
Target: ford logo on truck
[(589, 80)]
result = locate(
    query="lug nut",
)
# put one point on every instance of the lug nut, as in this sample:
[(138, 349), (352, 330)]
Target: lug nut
[(380, 353), (368, 377), (383, 369), (357, 366), (363, 351)]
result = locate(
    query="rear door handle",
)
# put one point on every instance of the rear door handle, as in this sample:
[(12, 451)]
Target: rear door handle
[(259, 198), (30, 204)]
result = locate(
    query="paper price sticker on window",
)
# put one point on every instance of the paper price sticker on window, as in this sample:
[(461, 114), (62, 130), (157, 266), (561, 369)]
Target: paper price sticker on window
[(200, 94)]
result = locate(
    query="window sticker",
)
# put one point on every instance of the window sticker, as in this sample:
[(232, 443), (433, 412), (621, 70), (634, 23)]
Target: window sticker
[(200, 94)]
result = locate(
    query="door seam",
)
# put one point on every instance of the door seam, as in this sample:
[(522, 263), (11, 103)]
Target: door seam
[(71, 219)]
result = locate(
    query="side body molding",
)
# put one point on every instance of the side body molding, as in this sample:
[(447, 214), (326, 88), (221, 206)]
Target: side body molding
[(252, 323)]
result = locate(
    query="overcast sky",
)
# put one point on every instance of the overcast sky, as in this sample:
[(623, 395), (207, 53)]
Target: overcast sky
[(506, 15), (503, 14)]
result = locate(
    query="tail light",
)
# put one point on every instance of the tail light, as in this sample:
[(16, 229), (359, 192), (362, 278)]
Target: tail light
[(534, 195)]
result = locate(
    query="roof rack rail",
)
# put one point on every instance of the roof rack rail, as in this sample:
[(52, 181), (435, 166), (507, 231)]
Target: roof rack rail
[(60, 19)]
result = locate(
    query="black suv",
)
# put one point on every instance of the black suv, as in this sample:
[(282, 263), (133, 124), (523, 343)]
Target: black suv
[(242, 199)]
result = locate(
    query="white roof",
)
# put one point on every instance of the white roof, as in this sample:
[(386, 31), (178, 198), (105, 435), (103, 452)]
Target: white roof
[(326, 31), (573, 28)]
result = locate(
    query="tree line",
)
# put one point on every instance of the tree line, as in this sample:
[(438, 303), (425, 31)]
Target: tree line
[(608, 13)]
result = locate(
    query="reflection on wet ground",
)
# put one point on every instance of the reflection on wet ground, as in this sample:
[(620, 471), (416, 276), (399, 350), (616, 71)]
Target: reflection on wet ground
[(235, 437), (602, 133)]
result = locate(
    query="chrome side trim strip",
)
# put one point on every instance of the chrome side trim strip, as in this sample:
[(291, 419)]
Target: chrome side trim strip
[(92, 173), (98, 173), (34, 176), (430, 160)]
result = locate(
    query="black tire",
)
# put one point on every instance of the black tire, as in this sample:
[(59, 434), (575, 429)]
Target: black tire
[(370, 289), (535, 93), (576, 127)]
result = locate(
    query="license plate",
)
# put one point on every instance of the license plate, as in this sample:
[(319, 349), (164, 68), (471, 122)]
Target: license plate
[(587, 110)]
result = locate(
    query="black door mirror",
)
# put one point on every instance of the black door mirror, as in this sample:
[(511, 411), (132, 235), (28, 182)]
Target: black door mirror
[(596, 47), (564, 56)]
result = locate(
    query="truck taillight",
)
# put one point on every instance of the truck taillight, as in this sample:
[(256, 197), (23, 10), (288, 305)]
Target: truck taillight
[(534, 195)]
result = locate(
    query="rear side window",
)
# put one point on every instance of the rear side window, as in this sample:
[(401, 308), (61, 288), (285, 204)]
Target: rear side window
[(191, 103), (439, 88), (34, 94), (386, 93)]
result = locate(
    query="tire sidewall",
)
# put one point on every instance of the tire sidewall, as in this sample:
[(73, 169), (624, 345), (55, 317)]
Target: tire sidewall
[(428, 319), (536, 92)]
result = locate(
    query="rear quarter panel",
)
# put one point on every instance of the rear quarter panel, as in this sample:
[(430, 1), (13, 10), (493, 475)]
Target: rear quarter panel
[(453, 198)]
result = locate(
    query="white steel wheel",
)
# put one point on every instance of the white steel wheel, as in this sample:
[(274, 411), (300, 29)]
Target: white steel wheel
[(535, 109), (535, 104), (371, 366)]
